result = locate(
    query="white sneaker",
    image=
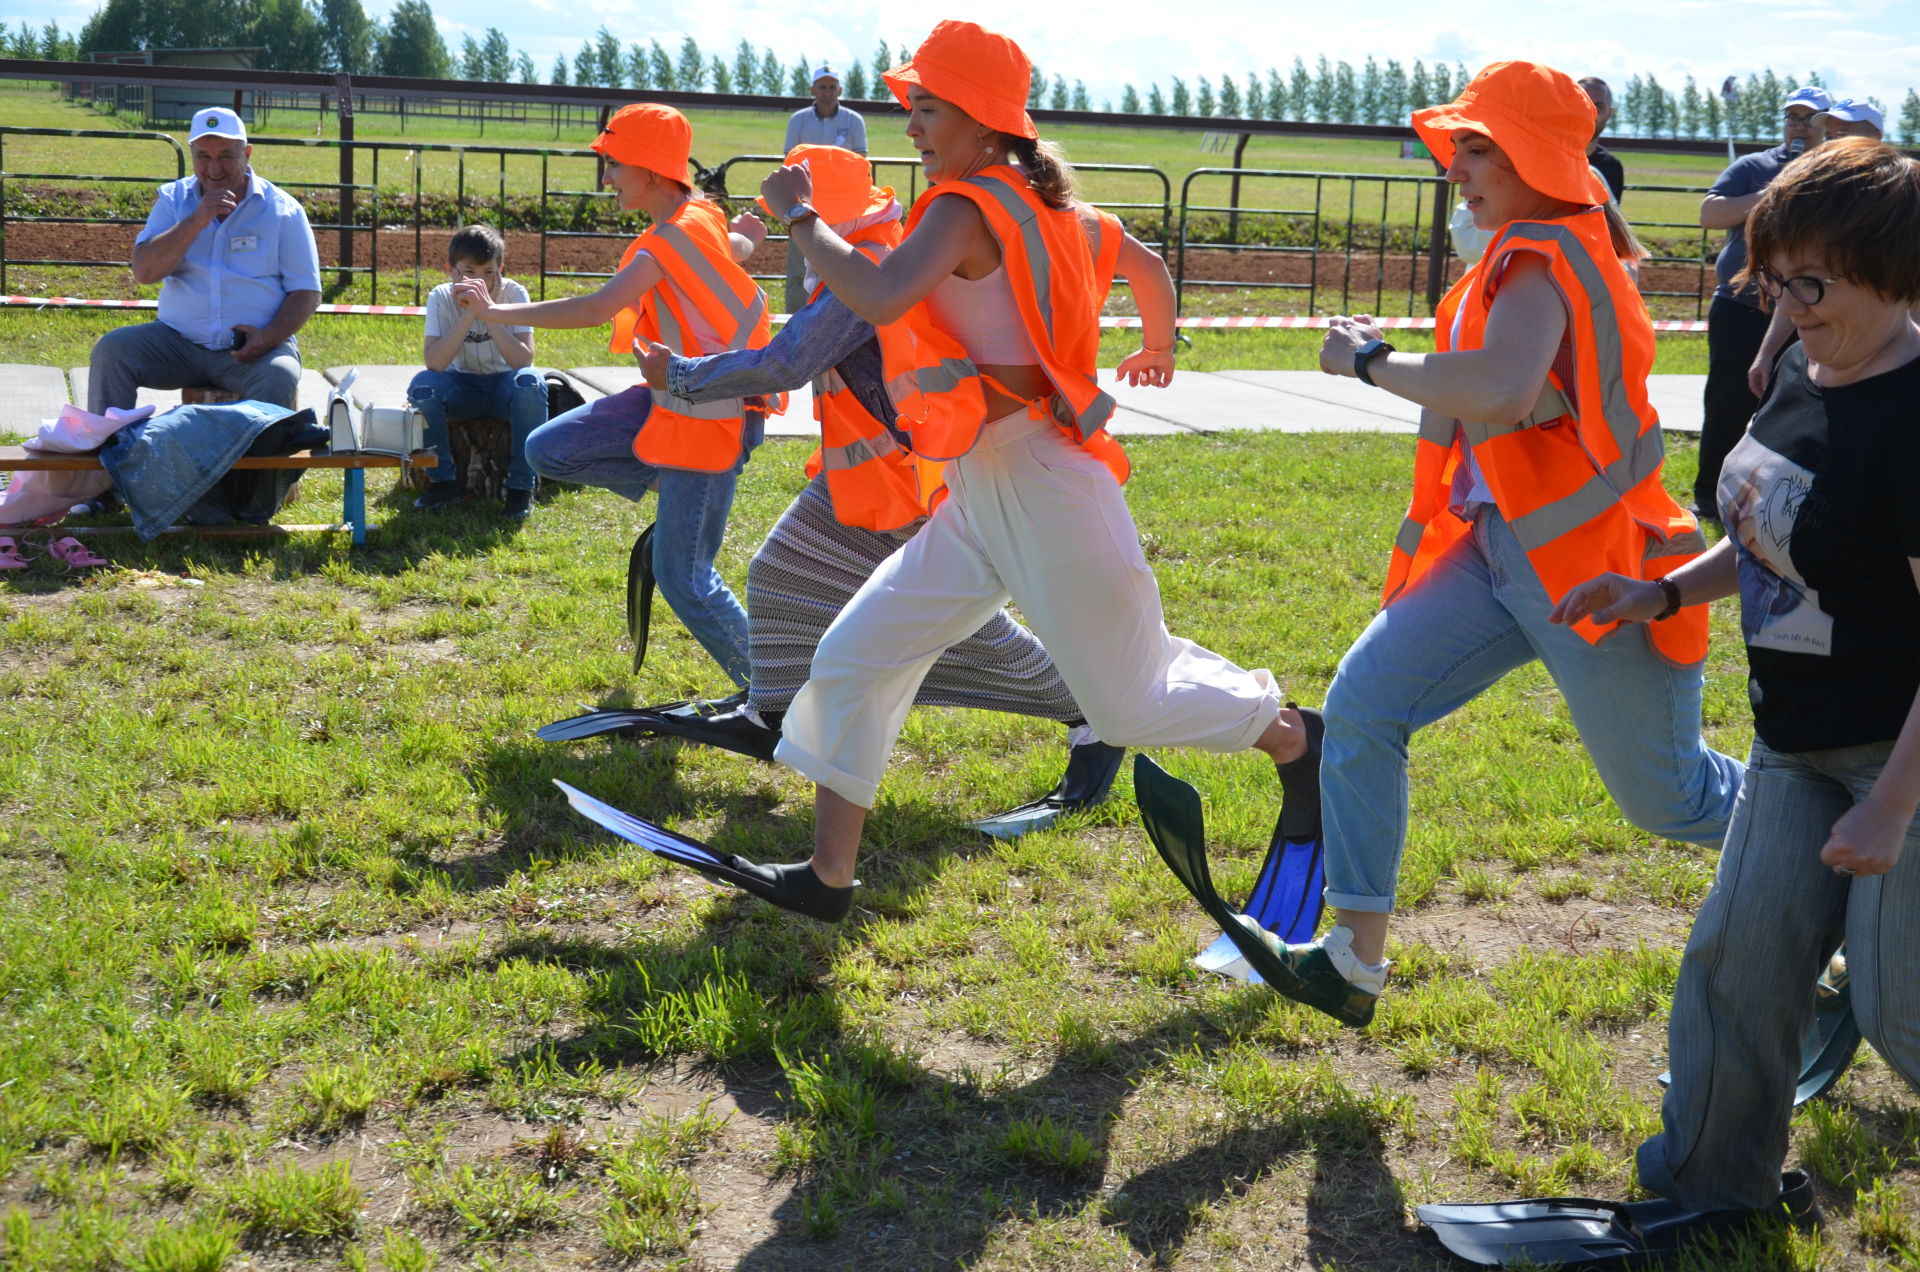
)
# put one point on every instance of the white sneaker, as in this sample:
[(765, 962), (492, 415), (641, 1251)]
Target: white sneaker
[(1337, 945)]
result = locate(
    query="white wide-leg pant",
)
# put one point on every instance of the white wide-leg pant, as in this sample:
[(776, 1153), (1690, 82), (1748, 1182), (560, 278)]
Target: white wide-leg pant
[(1031, 516)]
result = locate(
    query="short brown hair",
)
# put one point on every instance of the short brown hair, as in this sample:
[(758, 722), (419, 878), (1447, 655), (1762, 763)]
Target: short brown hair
[(479, 244), (1856, 202)]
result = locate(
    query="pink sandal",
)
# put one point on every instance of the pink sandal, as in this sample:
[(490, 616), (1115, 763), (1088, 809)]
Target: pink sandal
[(75, 555), (10, 556)]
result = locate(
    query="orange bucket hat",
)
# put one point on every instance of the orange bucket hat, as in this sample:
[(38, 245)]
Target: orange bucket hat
[(647, 135), (843, 188), (1537, 115), (984, 74)]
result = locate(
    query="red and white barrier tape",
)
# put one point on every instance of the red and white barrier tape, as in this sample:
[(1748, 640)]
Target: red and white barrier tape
[(1192, 324)]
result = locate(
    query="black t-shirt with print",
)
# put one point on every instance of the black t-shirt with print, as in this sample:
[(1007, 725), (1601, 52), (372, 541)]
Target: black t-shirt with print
[(1822, 499)]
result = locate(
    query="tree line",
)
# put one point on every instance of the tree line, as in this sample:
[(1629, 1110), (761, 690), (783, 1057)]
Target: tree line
[(337, 35)]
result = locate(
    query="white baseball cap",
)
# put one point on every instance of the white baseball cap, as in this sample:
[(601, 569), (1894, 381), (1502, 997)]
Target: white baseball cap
[(216, 121), (825, 72), (1856, 112), (1808, 96)]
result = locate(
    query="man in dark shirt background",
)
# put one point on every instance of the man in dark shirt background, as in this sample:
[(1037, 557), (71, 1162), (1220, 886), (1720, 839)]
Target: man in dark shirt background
[(1735, 323), (1603, 160)]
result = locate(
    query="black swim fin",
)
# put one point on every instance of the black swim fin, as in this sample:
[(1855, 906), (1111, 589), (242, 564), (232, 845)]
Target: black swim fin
[(1578, 1232), (1091, 768), (635, 721), (640, 594), (1289, 893), (790, 888)]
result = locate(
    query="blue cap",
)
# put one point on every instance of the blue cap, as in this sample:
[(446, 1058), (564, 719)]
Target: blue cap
[(1814, 97)]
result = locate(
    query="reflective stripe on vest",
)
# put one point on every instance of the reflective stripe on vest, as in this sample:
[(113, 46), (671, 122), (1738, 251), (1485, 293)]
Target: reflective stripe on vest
[(1578, 479), (1049, 263), (699, 277), (872, 481)]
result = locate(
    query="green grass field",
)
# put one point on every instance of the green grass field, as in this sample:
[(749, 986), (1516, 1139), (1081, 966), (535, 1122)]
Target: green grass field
[(305, 964)]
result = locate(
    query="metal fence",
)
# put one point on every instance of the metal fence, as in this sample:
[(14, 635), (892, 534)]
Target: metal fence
[(1348, 235), (1336, 228)]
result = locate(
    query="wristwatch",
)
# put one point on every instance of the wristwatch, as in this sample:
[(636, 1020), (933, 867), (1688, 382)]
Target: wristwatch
[(800, 212), (1363, 354), (1671, 591)]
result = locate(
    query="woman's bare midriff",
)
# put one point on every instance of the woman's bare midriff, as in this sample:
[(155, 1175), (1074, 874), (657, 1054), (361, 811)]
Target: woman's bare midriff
[(1030, 382)]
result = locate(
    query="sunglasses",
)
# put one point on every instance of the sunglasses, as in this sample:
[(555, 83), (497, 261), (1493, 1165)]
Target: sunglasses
[(1804, 288)]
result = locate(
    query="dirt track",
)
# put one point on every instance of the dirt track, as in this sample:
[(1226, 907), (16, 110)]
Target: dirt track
[(396, 253)]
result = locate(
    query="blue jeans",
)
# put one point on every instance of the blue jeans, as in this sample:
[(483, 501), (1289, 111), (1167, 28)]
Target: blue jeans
[(518, 397), (1745, 994), (1478, 614), (592, 445)]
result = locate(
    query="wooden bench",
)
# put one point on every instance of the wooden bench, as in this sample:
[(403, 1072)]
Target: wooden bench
[(353, 499)]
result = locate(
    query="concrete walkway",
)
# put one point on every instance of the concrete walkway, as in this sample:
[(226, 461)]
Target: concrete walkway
[(1196, 402)]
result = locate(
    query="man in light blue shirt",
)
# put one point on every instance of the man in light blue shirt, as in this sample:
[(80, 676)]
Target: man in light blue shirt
[(239, 275), (825, 123)]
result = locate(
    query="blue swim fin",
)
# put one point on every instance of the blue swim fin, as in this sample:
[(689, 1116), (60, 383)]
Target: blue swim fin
[(1288, 894)]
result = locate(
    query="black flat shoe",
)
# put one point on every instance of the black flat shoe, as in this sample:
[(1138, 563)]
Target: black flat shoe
[(733, 730), (1091, 768), (790, 886)]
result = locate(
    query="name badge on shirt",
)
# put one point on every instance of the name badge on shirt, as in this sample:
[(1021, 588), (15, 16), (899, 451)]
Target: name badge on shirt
[(244, 243)]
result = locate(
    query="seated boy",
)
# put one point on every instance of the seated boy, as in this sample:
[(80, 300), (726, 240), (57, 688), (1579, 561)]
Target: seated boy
[(477, 368)]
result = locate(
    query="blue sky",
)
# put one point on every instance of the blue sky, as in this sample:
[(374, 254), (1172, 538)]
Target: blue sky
[(1869, 47)]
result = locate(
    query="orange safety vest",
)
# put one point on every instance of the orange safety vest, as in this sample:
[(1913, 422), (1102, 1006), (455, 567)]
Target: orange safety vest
[(875, 483), (695, 253), (1578, 480), (1060, 281)]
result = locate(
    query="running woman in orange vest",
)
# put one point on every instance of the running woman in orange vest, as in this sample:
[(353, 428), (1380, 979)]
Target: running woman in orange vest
[(1538, 464), (680, 284), (869, 494), (1012, 271)]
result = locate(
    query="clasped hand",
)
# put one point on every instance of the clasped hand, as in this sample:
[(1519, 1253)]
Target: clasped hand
[(472, 293), (787, 185), (1345, 334)]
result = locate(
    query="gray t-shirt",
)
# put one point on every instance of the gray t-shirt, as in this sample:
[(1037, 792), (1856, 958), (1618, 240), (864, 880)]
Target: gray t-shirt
[(1746, 175), (479, 355), (843, 128)]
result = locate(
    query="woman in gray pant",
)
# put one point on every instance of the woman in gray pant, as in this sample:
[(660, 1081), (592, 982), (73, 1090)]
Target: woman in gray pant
[(1823, 549)]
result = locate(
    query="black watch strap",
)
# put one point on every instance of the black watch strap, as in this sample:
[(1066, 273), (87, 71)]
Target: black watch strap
[(1670, 590), (1364, 354)]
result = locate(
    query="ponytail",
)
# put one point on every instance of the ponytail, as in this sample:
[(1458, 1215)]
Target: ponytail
[(1626, 244), (1047, 170)]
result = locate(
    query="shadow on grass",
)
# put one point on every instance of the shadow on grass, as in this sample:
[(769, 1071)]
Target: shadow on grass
[(907, 1167)]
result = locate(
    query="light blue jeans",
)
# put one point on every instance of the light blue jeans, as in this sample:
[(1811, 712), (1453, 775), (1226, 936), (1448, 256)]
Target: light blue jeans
[(518, 397), (1478, 614), (592, 445), (1745, 996)]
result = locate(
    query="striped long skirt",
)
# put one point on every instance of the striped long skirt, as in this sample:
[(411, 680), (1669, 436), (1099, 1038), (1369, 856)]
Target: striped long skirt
[(810, 567)]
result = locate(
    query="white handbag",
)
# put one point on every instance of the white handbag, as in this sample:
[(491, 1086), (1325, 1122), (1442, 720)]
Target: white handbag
[(380, 430)]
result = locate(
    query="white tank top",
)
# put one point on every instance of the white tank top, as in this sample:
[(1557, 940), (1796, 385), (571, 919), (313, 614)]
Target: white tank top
[(982, 315)]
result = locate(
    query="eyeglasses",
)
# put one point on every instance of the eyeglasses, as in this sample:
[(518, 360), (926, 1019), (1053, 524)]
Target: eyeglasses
[(1804, 288), (1792, 118)]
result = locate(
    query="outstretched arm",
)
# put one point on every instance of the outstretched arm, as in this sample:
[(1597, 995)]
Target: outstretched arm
[(623, 291), (820, 335), (1494, 384), (944, 237)]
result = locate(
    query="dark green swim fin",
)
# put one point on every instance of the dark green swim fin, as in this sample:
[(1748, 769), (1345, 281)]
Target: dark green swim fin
[(640, 594)]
